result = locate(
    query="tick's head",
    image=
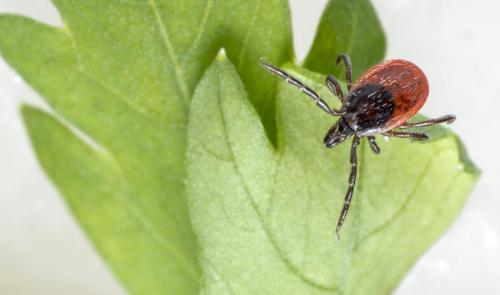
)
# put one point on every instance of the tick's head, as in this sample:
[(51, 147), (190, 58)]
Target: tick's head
[(338, 133)]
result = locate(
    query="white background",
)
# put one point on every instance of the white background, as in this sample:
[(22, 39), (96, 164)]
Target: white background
[(457, 43)]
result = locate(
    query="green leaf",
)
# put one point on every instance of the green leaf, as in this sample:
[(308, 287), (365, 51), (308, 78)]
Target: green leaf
[(122, 74), (265, 217), (347, 26), (257, 219), (121, 225)]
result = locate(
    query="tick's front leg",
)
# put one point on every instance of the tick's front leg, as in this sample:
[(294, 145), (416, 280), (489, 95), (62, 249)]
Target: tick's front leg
[(348, 68), (334, 87), (303, 88)]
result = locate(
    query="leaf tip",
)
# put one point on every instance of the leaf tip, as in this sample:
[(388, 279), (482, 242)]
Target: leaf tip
[(28, 110), (221, 55), (34, 118), (469, 166)]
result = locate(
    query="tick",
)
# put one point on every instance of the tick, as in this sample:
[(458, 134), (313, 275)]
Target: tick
[(381, 101)]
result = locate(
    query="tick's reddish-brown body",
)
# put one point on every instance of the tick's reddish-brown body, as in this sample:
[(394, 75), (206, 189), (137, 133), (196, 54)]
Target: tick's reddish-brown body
[(407, 84), (380, 102)]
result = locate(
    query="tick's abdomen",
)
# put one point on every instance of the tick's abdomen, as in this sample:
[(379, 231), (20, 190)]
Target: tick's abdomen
[(407, 84), (368, 108)]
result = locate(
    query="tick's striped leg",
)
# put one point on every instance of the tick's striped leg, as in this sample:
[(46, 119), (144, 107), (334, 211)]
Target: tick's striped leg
[(411, 135), (295, 82), (373, 144), (444, 119), (352, 182), (334, 87), (348, 68)]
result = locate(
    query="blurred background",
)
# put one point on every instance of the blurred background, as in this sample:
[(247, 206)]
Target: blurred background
[(43, 251)]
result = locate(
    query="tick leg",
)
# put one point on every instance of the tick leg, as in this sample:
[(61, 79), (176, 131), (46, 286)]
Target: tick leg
[(334, 87), (348, 68), (411, 135), (295, 82), (373, 144), (444, 119), (352, 182)]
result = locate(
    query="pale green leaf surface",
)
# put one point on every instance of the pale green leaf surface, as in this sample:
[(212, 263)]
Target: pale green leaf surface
[(350, 27), (123, 72), (265, 218)]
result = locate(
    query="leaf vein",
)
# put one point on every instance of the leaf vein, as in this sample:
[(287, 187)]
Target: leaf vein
[(201, 29), (80, 70), (181, 83), (402, 208), (142, 218), (247, 35), (109, 157)]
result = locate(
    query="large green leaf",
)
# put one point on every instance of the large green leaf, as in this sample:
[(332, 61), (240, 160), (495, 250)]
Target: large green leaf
[(265, 217), (122, 73), (347, 26), (258, 219)]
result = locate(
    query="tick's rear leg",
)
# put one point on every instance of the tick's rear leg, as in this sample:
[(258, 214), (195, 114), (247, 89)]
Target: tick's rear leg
[(373, 144), (411, 135), (444, 119), (352, 182)]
